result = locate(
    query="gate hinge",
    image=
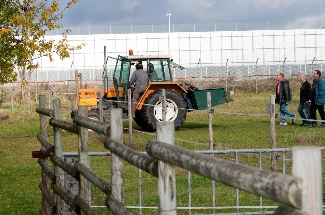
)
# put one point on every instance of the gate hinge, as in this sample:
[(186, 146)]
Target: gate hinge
[(41, 154)]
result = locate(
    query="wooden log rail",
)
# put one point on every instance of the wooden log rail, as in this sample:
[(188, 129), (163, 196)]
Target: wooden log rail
[(99, 127), (137, 159), (96, 180), (68, 126), (68, 168), (117, 207), (285, 189)]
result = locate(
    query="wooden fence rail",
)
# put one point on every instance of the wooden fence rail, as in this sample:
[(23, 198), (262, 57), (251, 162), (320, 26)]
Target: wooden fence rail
[(281, 188), (295, 193)]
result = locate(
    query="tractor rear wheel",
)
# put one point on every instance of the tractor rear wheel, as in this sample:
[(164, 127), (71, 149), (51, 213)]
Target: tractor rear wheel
[(152, 109)]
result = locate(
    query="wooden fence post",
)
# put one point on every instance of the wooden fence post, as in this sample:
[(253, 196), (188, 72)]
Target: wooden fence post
[(58, 152), (307, 164), (272, 132), (100, 105), (163, 105), (80, 80), (43, 132), (29, 106), (166, 173), (130, 113), (83, 155), (12, 98), (117, 170), (210, 112)]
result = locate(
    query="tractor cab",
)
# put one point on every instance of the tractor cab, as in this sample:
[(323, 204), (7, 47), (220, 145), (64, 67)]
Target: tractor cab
[(157, 66)]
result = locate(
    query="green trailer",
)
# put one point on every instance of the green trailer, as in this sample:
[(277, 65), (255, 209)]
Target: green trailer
[(199, 97)]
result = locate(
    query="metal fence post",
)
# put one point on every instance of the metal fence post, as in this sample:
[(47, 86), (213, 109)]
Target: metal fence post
[(307, 164), (77, 86), (58, 152), (256, 91), (83, 154), (117, 169), (227, 72), (166, 173), (43, 132)]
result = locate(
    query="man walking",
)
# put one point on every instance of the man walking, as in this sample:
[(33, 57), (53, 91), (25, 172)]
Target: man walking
[(304, 104), (283, 98), (318, 92)]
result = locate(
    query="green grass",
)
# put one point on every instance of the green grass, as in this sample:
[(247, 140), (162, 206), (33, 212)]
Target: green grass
[(20, 173)]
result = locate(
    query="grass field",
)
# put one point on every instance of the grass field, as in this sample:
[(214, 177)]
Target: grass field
[(247, 129)]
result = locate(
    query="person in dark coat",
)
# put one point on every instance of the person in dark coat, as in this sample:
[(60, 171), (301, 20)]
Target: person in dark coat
[(305, 100), (283, 99), (140, 79), (312, 104), (318, 92)]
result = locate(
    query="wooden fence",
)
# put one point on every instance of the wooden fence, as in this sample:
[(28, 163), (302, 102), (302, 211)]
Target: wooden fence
[(298, 194)]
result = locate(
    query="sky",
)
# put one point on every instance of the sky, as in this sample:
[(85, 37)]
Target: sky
[(153, 12)]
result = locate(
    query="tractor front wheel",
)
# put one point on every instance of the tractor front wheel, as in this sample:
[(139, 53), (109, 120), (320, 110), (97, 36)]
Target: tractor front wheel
[(93, 115)]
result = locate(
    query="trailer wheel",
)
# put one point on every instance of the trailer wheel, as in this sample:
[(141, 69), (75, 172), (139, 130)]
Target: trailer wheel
[(152, 110)]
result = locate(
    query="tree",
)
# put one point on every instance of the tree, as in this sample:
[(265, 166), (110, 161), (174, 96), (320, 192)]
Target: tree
[(23, 27), (8, 9)]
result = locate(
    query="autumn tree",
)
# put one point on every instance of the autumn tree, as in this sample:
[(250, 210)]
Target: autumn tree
[(23, 27), (8, 48)]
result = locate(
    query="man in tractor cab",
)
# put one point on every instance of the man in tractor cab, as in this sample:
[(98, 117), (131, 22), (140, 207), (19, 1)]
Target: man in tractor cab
[(140, 79), (152, 73)]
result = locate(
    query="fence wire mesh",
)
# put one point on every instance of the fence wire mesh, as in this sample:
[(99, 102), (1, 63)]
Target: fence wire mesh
[(195, 194), (60, 84)]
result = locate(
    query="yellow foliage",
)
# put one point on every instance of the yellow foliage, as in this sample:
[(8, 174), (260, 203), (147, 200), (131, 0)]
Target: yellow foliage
[(25, 32)]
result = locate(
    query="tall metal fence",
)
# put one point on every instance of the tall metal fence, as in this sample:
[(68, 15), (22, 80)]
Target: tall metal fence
[(246, 26), (199, 72), (249, 78)]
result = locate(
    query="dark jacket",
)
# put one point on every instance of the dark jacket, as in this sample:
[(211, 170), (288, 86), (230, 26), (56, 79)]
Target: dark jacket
[(320, 92), (313, 91), (305, 92), (283, 96)]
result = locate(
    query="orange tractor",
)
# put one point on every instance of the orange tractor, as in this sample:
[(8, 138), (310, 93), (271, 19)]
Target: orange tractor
[(148, 109)]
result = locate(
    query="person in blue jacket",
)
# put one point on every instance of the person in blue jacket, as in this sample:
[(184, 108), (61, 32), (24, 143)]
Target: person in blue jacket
[(319, 93)]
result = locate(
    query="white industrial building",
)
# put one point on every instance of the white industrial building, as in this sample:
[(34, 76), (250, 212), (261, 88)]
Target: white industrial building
[(192, 50)]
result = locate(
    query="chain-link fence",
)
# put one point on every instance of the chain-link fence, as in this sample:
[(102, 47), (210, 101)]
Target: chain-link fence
[(251, 78), (247, 26)]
